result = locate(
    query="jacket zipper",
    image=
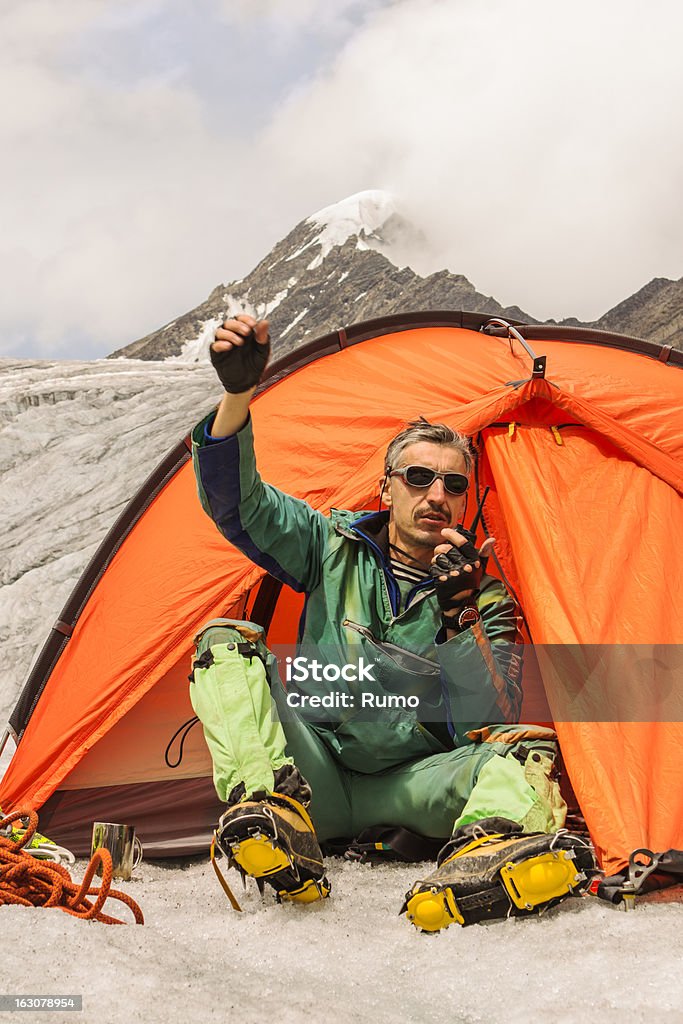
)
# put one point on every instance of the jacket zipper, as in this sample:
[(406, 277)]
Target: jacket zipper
[(371, 638), (393, 594)]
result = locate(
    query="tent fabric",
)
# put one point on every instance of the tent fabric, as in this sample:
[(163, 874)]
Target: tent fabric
[(585, 470)]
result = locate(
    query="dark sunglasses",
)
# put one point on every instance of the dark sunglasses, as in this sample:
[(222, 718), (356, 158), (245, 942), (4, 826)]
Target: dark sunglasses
[(420, 476)]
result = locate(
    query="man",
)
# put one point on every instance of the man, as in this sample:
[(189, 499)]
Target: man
[(420, 643)]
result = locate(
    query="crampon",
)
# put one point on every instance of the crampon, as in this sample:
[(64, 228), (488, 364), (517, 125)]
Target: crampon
[(271, 838), (491, 869)]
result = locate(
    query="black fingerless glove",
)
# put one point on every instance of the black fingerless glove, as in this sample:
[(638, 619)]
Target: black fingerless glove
[(449, 592), (241, 367)]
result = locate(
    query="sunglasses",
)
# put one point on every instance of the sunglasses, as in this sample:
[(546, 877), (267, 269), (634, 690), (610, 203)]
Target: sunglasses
[(420, 476)]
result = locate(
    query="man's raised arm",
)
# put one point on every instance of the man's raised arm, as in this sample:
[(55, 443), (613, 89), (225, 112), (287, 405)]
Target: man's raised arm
[(239, 355), (282, 534)]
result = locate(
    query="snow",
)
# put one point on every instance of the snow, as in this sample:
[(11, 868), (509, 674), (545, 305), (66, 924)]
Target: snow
[(362, 214), (76, 441), (297, 252), (315, 262), (349, 959), (294, 322), (276, 300), (196, 349)]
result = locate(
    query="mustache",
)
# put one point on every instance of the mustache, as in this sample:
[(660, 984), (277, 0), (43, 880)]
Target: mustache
[(432, 510)]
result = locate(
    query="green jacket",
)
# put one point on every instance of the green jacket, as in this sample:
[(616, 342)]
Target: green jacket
[(356, 614)]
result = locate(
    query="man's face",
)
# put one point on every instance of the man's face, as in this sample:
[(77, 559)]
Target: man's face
[(418, 515)]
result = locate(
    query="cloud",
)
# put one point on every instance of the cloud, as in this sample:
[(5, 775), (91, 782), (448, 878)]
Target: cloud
[(151, 152), (114, 194), (318, 17), (126, 163), (533, 144)]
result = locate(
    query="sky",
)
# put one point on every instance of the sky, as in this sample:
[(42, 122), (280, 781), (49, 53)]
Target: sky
[(154, 149)]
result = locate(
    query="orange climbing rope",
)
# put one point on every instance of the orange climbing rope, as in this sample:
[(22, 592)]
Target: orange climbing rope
[(29, 882)]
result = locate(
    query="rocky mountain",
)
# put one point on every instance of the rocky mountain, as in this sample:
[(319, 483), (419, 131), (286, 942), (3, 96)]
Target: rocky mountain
[(351, 262), (654, 313), (345, 264)]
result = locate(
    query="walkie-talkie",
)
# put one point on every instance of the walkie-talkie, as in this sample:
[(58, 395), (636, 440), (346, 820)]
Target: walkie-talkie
[(471, 534), (456, 556)]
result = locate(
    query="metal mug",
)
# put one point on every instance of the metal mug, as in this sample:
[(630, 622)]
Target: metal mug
[(123, 845)]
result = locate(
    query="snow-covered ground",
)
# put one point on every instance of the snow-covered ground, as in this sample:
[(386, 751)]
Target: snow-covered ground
[(76, 440), (350, 959)]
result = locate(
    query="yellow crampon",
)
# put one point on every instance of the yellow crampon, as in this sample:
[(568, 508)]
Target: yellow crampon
[(499, 875), (541, 879), (433, 909), (259, 857), (273, 840)]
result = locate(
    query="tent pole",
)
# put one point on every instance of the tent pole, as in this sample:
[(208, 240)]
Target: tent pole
[(3, 739)]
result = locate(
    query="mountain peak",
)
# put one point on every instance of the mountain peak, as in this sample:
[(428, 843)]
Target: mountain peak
[(359, 259), (363, 214), (348, 262), (372, 218)]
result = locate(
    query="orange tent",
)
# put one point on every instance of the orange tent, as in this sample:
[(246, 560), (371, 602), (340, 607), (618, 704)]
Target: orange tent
[(580, 437)]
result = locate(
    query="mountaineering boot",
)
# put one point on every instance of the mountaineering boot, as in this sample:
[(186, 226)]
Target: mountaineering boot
[(271, 837), (491, 869)]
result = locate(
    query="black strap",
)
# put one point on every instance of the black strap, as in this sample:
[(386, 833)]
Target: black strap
[(247, 650), (184, 729), (265, 602), (672, 862), (205, 660), (659, 871), (392, 842)]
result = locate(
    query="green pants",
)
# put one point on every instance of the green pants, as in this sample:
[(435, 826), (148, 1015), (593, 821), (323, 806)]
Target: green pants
[(236, 693)]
